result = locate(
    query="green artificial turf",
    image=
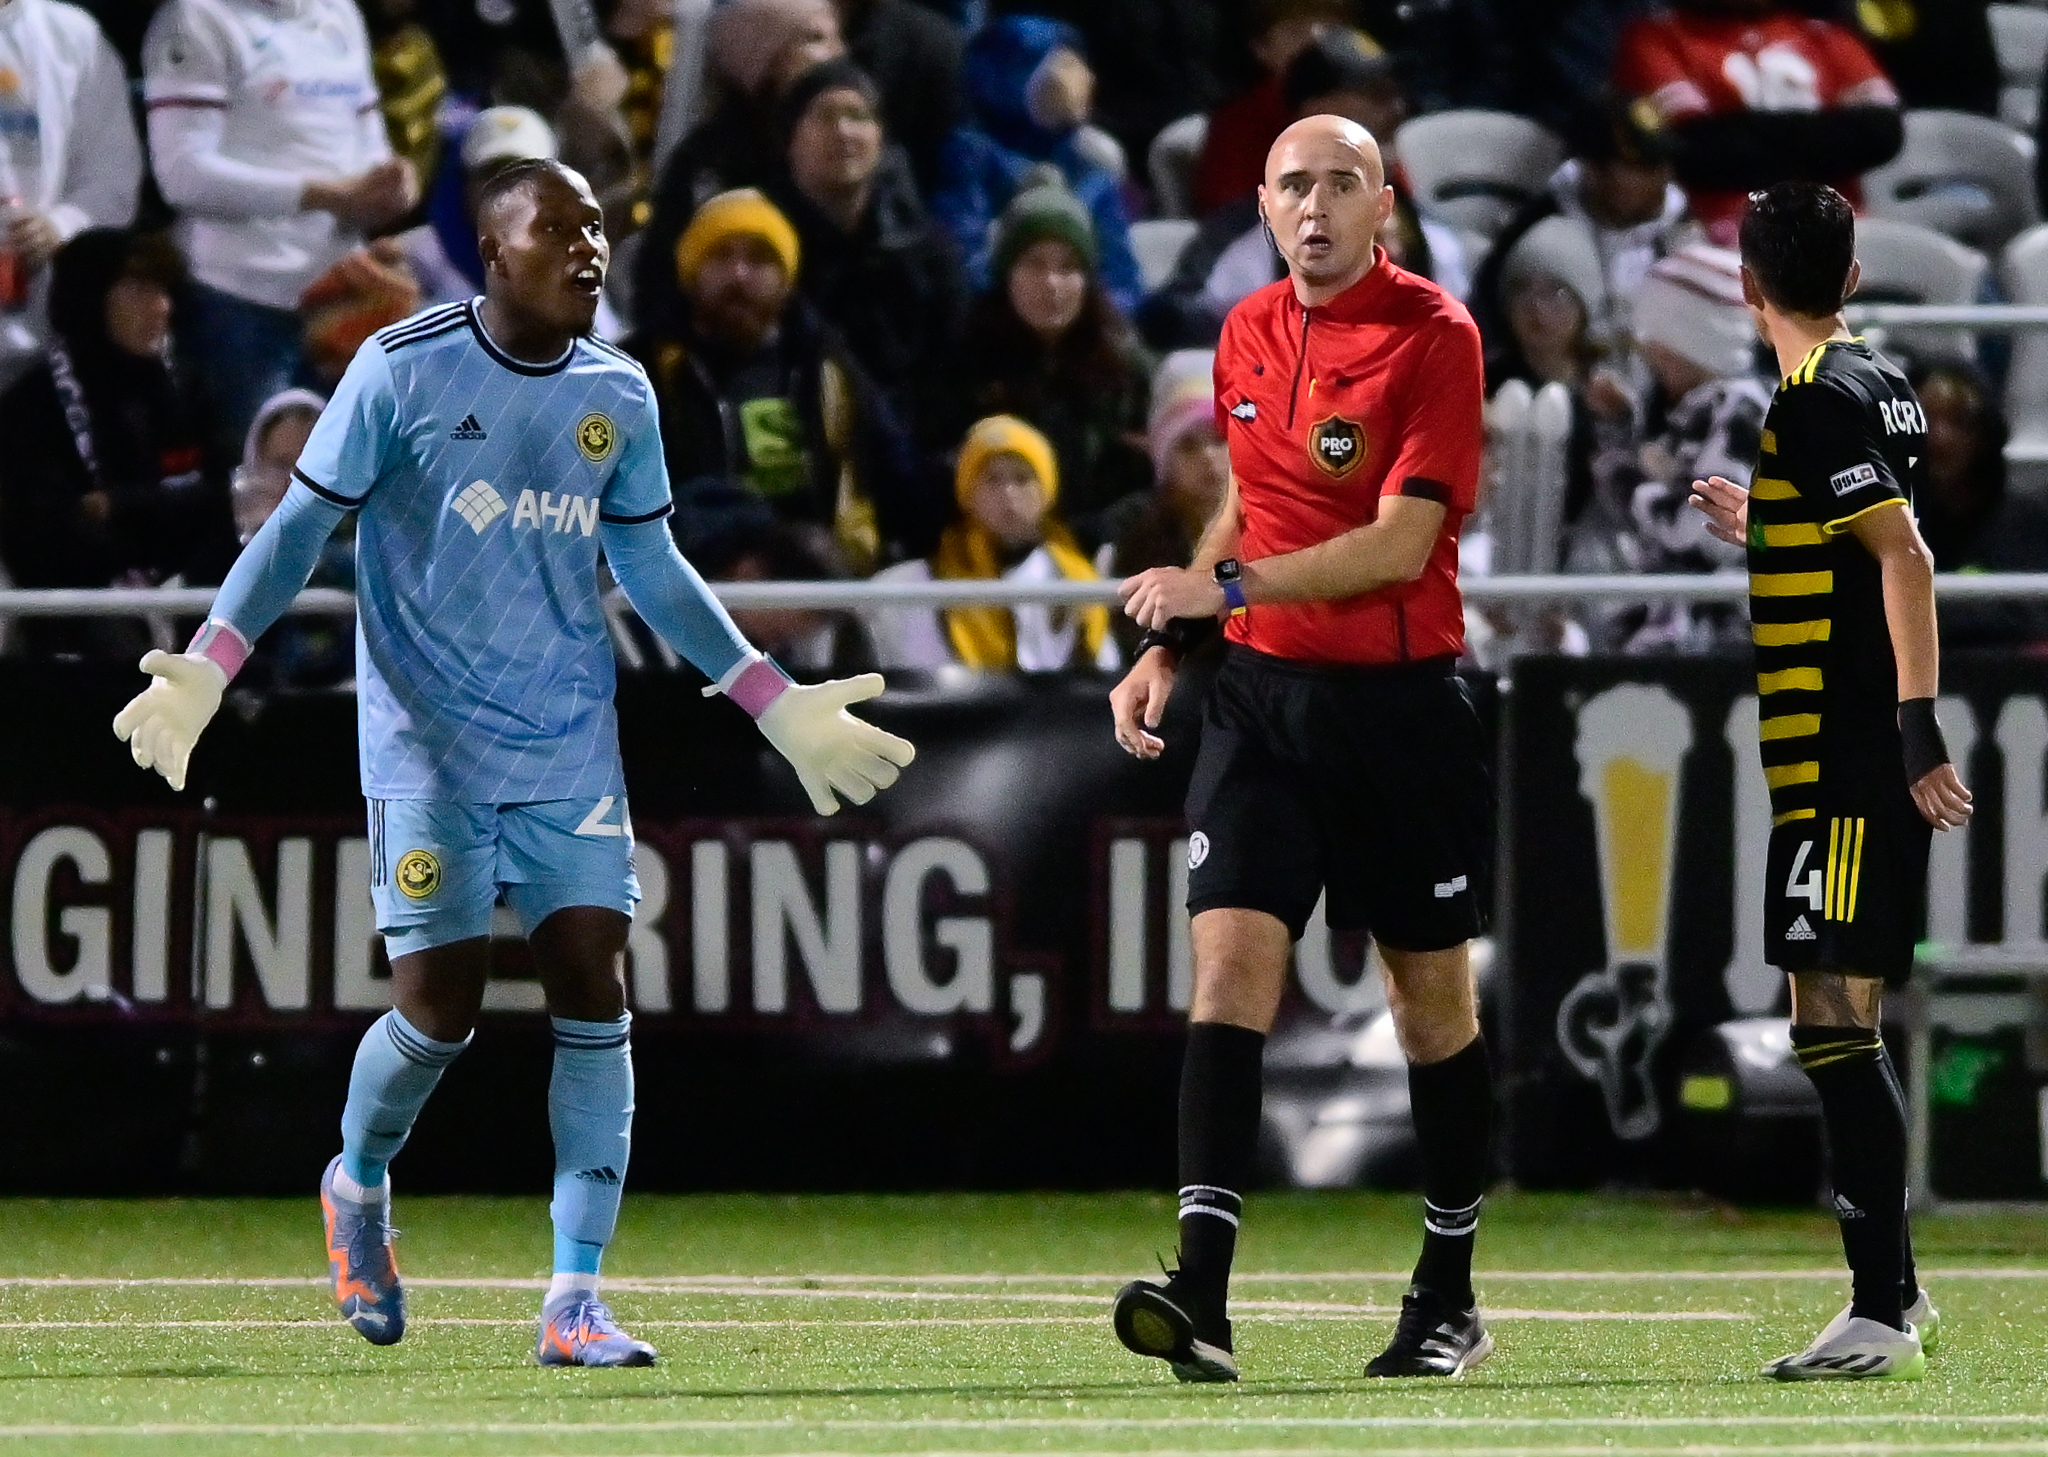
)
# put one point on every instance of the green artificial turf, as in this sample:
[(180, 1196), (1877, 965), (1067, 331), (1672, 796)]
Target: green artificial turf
[(979, 1324)]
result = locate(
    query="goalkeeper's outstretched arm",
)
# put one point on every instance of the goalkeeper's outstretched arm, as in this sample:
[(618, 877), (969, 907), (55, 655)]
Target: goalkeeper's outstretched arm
[(834, 753), (162, 723)]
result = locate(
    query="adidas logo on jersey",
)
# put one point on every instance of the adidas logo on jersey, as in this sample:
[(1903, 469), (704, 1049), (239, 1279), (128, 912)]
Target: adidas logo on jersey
[(607, 1176), (469, 429), (1800, 931)]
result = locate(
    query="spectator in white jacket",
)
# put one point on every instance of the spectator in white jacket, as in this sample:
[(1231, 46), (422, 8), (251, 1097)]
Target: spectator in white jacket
[(69, 156), (265, 133)]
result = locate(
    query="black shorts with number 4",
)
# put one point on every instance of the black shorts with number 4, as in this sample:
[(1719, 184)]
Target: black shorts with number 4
[(1846, 890), (1369, 785)]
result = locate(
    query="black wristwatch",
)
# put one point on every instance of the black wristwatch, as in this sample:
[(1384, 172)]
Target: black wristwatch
[(1229, 575)]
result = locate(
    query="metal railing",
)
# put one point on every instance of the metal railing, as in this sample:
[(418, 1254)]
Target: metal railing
[(1718, 587)]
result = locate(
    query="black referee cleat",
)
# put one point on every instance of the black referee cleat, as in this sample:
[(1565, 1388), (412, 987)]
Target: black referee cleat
[(1166, 1322), (1433, 1338)]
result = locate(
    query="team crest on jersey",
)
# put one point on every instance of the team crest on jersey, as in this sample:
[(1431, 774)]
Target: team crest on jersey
[(419, 874), (595, 436), (1336, 445)]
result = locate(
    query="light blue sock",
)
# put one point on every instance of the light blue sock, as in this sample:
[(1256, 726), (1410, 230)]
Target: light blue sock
[(396, 1069), (590, 1110)]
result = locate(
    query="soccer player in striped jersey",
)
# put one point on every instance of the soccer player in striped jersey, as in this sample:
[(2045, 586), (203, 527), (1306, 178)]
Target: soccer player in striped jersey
[(489, 451), (1842, 614)]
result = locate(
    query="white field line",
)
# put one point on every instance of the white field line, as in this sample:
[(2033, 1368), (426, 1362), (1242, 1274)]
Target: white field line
[(1217, 1423), (1688, 1449), (1807, 1449), (742, 1284), (1274, 1313)]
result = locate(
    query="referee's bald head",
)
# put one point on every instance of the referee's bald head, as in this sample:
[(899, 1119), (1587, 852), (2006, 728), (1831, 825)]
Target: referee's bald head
[(1324, 139), (1324, 200)]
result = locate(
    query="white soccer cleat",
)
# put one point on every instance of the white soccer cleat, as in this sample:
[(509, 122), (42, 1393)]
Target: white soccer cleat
[(1921, 1315), (1855, 1349)]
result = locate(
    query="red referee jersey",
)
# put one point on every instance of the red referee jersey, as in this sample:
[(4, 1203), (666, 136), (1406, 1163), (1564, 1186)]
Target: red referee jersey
[(1329, 410)]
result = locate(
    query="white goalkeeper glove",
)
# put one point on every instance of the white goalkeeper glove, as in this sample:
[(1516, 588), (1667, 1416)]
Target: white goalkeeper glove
[(162, 722), (831, 750)]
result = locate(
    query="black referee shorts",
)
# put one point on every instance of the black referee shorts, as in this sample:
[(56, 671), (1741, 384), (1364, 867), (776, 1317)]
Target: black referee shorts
[(1846, 890), (1368, 784)]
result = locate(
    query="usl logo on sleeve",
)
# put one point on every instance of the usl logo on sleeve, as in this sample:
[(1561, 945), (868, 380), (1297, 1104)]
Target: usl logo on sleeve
[(1336, 445), (1855, 478)]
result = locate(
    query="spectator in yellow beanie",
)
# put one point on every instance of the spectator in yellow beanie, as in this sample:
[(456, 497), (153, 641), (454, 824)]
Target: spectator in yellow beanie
[(743, 216), (765, 415), (1006, 485)]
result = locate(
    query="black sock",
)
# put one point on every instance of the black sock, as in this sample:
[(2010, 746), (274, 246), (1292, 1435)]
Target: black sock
[(1866, 1124), (1220, 1092), (1452, 1102), (1909, 1276)]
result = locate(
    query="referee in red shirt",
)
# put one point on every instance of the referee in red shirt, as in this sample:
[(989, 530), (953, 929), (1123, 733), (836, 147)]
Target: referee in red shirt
[(1340, 756)]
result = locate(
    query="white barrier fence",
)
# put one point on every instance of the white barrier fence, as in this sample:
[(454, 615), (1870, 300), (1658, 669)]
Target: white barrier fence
[(1725, 587)]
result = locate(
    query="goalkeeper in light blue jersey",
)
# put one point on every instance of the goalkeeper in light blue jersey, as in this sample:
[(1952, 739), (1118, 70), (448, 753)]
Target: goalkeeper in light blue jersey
[(490, 450)]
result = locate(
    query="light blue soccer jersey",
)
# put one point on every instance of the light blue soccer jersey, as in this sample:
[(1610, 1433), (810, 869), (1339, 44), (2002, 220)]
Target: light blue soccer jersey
[(485, 671)]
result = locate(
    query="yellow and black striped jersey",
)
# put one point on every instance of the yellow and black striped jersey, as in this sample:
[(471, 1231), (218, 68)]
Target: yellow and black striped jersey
[(1845, 436)]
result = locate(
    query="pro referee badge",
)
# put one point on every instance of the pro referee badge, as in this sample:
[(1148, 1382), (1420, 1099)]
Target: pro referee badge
[(419, 874), (1336, 445), (595, 436)]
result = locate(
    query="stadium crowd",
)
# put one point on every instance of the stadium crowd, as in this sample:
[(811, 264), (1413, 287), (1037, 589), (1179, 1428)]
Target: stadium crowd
[(899, 274)]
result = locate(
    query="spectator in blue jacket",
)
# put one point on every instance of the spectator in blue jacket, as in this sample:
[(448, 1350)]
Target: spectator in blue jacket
[(1028, 91)]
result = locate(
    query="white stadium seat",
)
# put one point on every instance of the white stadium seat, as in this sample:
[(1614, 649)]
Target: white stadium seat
[(2024, 274), (2019, 33), (1170, 165), (1158, 244), (1961, 174), (1907, 263), (1475, 169)]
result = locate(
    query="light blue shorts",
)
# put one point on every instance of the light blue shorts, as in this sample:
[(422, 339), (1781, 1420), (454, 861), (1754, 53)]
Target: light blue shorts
[(437, 866)]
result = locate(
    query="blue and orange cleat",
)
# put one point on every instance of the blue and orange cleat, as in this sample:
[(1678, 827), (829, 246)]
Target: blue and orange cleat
[(578, 1330), (359, 1258)]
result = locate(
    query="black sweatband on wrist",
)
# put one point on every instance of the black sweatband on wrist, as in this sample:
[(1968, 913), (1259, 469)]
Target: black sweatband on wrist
[(1173, 637), (1920, 734)]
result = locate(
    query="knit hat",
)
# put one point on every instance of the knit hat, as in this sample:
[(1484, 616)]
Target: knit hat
[(1042, 208), (743, 212), (1610, 128), (1183, 399), (1337, 59), (507, 134), (835, 75), (1005, 434), (1691, 303), (284, 402), (745, 38), (1561, 248)]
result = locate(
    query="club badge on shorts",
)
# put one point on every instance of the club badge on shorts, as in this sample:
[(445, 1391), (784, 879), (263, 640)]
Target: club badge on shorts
[(595, 436), (419, 874), (1336, 445)]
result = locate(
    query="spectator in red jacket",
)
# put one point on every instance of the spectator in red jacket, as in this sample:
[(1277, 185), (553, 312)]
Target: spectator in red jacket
[(1241, 130), (1754, 93)]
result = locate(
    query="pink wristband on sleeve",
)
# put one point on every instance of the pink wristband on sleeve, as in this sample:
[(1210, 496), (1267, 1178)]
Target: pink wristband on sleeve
[(759, 684), (222, 644)]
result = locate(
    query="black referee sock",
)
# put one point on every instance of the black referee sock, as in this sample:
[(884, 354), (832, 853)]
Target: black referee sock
[(1909, 1275), (1220, 1093), (1866, 1124), (1452, 1101)]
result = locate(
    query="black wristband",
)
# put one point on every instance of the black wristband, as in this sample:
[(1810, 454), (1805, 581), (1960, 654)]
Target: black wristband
[(1920, 734), (1173, 637)]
